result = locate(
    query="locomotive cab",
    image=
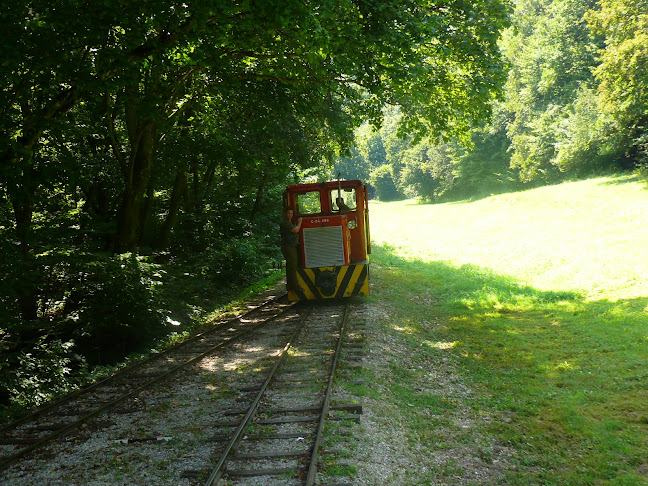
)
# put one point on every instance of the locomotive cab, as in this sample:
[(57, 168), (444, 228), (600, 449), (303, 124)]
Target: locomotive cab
[(334, 242)]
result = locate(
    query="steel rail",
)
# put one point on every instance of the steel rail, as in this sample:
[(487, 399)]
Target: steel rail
[(219, 469), (326, 403), (7, 461)]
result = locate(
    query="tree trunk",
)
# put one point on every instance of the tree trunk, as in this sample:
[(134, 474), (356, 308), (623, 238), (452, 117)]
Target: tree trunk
[(179, 189), (21, 194), (23, 207), (25, 285), (259, 195), (146, 238), (140, 165)]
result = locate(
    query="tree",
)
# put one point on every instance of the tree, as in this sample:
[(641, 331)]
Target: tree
[(352, 166), (39, 83), (382, 181), (427, 172), (135, 72), (551, 56), (623, 71), (587, 139)]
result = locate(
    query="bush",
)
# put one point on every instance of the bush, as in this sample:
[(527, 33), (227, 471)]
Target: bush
[(43, 372), (114, 302), (382, 179), (90, 309), (238, 262)]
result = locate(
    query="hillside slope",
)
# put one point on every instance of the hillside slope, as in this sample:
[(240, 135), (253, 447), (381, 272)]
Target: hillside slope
[(587, 236)]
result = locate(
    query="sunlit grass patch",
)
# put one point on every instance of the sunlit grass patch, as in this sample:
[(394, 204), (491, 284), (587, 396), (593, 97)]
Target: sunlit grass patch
[(583, 236), (441, 344)]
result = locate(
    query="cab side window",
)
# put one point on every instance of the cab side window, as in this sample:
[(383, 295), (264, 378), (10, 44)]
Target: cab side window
[(308, 203)]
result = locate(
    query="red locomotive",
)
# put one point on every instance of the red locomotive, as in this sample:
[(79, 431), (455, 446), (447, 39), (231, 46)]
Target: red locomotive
[(334, 241)]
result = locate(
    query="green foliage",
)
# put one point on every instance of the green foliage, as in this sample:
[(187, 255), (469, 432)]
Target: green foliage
[(113, 301), (257, 83), (484, 169), (587, 140), (574, 105), (382, 181), (352, 166), (45, 371), (428, 171), (623, 69), (242, 260), (373, 148), (551, 56), (432, 169)]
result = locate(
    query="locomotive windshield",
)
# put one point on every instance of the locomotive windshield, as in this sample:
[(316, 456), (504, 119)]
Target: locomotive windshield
[(344, 200), (308, 203)]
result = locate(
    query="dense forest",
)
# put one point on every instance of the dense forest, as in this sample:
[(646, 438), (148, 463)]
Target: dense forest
[(575, 104), (145, 146)]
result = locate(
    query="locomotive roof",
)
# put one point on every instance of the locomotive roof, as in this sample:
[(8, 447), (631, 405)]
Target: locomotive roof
[(316, 186)]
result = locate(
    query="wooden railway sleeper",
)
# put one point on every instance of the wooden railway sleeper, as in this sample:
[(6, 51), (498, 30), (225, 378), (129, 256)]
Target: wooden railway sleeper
[(219, 469)]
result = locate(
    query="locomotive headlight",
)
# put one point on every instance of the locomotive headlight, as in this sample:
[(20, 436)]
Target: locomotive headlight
[(352, 224)]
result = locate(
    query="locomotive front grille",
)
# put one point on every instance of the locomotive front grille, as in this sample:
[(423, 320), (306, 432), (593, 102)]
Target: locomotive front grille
[(323, 247)]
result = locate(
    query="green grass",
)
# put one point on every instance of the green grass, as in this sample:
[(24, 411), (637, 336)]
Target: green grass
[(540, 299)]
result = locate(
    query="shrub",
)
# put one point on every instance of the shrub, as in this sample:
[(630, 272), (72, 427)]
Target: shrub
[(42, 372), (239, 261), (114, 301)]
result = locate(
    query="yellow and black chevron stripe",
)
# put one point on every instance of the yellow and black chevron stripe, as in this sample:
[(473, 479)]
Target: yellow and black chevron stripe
[(331, 282)]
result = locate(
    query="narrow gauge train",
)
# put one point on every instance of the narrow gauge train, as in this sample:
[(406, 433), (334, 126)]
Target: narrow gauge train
[(334, 241)]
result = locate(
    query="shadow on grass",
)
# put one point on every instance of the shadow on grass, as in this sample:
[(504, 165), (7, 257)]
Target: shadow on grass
[(614, 179), (568, 373), (618, 179)]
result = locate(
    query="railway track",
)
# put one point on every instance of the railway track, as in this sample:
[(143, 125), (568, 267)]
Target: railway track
[(280, 432), (43, 425), (244, 404)]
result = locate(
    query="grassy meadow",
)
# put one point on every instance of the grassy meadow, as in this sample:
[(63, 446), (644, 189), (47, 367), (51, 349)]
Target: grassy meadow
[(538, 303)]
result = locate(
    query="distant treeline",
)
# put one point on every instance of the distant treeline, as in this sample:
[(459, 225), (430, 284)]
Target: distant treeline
[(575, 103)]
